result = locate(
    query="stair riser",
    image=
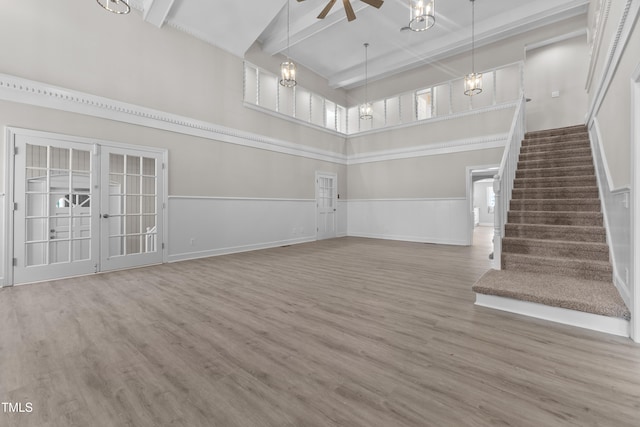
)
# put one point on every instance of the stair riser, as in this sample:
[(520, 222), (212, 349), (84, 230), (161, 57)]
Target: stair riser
[(578, 272), (555, 172), (527, 148), (559, 154), (523, 183), (555, 163), (555, 206), (548, 218), (521, 231), (529, 194), (555, 251)]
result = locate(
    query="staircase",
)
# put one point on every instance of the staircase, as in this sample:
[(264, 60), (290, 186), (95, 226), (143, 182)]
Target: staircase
[(554, 249)]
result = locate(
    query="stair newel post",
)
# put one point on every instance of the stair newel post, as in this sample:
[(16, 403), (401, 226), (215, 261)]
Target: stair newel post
[(497, 222)]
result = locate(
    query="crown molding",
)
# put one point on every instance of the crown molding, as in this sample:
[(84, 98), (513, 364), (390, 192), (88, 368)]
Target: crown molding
[(444, 147), (17, 89)]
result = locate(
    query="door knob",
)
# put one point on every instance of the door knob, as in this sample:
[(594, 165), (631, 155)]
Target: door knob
[(105, 215)]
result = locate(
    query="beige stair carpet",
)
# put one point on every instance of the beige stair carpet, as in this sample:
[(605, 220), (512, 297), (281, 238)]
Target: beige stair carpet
[(554, 250)]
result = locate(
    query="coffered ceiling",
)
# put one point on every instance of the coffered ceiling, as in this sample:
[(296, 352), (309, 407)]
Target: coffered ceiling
[(333, 47)]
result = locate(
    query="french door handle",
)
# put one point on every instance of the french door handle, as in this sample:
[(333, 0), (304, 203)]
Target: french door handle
[(105, 216)]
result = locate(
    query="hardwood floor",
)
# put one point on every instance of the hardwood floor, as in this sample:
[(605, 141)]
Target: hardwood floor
[(345, 332)]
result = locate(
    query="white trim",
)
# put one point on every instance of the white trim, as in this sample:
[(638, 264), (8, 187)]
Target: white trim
[(259, 199), (3, 225), (236, 249), (413, 239), (634, 284), (557, 39), (407, 199), (594, 51), (461, 114), (625, 28), (595, 140), (8, 207), (594, 322), (598, 142), (292, 119), (446, 147), (17, 89)]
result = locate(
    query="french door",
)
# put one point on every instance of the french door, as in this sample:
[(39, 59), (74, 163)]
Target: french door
[(82, 208), (326, 204)]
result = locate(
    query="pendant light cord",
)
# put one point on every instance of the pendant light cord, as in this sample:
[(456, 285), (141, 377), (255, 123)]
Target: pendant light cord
[(366, 73), (288, 28), (473, 36)]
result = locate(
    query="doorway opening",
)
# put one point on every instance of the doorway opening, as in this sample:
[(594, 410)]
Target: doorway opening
[(326, 205), (481, 205)]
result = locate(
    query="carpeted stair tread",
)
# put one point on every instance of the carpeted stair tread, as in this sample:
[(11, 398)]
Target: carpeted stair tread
[(544, 146), (557, 131), (555, 163), (556, 172), (578, 268), (556, 154), (578, 205), (590, 296), (572, 233), (552, 182), (555, 193), (595, 251), (556, 218)]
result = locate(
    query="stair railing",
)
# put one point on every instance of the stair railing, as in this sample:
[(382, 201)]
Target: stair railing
[(503, 181)]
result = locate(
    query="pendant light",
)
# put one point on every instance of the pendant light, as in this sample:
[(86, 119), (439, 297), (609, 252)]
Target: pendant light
[(288, 68), (366, 111), (422, 14), (115, 6), (473, 80)]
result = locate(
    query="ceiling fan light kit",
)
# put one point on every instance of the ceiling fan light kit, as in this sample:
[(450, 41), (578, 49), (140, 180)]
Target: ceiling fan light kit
[(120, 7), (422, 14)]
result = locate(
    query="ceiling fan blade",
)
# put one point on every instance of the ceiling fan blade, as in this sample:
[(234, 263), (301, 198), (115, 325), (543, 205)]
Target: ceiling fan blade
[(351, 15), (326, 9), (375, 3)]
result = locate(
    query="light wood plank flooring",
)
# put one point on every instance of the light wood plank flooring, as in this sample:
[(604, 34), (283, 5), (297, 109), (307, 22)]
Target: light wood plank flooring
[(346, 332)]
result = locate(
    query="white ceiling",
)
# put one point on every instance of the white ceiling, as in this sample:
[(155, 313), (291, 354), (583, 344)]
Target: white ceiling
[(333, 47)]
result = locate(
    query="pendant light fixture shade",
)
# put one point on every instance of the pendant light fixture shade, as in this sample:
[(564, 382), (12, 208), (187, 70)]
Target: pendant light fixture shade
[(473, 80), (115, 6), (288, 68), (366, 110), (422, 14)]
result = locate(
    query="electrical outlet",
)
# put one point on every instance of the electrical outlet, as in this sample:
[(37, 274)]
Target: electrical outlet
[(555, 94)]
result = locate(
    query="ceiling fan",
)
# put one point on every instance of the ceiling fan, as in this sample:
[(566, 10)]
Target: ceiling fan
[(351, 15)]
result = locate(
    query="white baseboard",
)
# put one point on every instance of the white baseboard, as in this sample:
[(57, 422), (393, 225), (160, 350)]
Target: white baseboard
[(415, 239), (237, 249), (594, 322)]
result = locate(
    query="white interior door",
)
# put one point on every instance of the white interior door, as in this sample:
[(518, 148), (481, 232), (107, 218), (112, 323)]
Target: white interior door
[(327, 202), (55, 209), (131, 217)]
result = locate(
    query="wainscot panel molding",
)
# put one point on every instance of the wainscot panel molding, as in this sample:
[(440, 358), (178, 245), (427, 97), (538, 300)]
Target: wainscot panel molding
[(208, 226), (616, 49), (456, 146), (438, 220), (617, 216), (17, 89), (3, 241), (343, 212)]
